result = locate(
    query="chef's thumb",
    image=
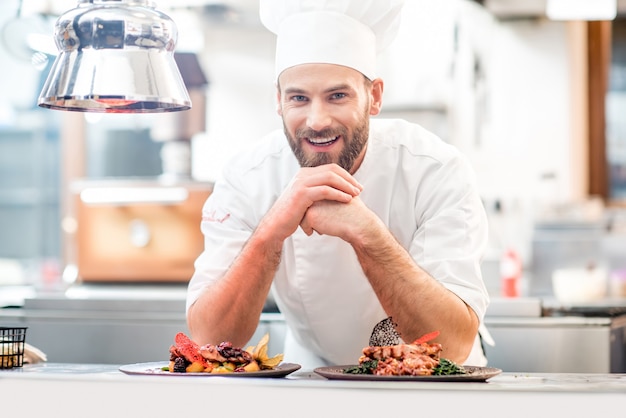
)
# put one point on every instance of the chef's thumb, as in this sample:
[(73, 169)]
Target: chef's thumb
[(307, 229)]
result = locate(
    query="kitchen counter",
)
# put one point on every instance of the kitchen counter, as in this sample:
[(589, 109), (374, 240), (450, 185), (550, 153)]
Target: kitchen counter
[(97, 323), (91, 390), (572, 339)]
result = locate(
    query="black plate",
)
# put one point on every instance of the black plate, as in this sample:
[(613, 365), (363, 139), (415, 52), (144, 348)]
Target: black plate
[(474, 374), (154, 369)]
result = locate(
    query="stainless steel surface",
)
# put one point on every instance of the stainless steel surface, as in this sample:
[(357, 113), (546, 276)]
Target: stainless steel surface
[(122, 324), (115, 324), (568, 344), (115, 56), (516, 307)]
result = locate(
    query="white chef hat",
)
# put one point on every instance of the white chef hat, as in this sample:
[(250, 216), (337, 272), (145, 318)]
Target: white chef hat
[(344, 32)]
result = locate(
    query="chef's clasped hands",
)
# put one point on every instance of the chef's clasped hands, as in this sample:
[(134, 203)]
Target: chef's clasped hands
[(322, 199)]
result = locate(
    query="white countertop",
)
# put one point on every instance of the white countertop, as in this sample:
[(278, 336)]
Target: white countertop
[(81, 390)]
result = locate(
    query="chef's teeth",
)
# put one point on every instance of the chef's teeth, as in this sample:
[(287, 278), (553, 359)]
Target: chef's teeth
[(321, 140)]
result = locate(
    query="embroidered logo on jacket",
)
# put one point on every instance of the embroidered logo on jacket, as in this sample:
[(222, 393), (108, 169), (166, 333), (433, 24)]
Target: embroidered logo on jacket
[(215, 217)]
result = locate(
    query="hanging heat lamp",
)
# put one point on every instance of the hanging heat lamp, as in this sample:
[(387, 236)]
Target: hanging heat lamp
[(115, 56)]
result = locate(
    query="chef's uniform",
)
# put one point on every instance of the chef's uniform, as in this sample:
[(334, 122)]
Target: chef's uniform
[(421, 188)]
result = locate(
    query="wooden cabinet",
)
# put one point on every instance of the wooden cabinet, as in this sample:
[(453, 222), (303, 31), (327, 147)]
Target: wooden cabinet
[(138, 231)]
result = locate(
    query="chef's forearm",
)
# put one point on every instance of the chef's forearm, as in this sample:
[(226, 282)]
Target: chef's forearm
[(417, 303), (229, 310)]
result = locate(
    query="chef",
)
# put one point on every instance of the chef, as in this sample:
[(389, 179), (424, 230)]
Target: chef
[(358, 227)]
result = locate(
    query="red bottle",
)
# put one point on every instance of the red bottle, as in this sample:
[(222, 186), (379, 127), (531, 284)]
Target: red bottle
[(510, 273)]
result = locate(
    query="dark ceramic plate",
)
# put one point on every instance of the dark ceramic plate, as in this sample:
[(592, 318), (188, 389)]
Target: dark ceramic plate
[(474, 374), (155, 369)]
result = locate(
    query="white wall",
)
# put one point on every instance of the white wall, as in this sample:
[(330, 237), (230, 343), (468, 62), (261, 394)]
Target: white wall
[(241, 94), (521, 146)]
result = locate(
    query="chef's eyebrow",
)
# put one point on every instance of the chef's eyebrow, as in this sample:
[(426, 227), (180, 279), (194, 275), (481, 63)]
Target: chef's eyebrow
[(338, 87), (294, 90)]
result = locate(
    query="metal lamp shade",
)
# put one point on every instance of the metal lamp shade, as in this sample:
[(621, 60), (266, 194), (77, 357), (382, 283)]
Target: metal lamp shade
[(115, 56)]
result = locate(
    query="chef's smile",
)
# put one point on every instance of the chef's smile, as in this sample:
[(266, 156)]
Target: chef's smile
[(322, 141)]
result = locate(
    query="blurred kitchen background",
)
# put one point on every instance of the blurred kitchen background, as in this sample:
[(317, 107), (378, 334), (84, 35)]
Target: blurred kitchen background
[(536, 104)]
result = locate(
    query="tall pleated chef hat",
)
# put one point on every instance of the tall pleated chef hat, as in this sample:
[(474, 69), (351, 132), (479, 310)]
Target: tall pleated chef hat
[(344, 32)]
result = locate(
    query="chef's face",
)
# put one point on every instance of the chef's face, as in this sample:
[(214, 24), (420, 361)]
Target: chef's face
[(325, 110)]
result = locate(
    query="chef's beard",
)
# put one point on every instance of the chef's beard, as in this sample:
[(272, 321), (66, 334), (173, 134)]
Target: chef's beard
[(353, 146)]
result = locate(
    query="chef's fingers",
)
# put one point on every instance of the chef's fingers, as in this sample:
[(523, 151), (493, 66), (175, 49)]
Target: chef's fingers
[(331, 218), (309, 185), (330, 175), (343, 174)]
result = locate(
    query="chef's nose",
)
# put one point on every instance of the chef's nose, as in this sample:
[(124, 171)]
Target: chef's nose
[(319, 116)]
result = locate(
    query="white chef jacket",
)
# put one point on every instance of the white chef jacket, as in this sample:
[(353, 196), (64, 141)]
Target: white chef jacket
[(422, 188)]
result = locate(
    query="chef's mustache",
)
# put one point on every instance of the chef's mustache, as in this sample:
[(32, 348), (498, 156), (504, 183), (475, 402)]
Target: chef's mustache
[(324, 133)]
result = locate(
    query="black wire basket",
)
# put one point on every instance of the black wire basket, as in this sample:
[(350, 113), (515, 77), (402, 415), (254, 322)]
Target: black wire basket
[(12, 342)]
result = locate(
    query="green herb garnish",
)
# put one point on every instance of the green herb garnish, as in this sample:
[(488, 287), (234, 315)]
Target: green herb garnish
[(447, 367), (365, 368)]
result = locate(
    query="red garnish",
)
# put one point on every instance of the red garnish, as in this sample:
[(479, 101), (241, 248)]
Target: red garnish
[(189, 349), (426, 337)]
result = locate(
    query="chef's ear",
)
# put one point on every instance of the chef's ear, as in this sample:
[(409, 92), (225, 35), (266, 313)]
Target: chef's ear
[(376, 96)]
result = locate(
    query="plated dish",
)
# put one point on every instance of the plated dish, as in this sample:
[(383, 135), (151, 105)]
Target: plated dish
[(156, 369), (474, 374)]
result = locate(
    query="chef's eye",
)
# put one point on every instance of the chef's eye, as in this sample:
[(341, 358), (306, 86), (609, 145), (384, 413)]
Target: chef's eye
[(337, 96), (298, 98)]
